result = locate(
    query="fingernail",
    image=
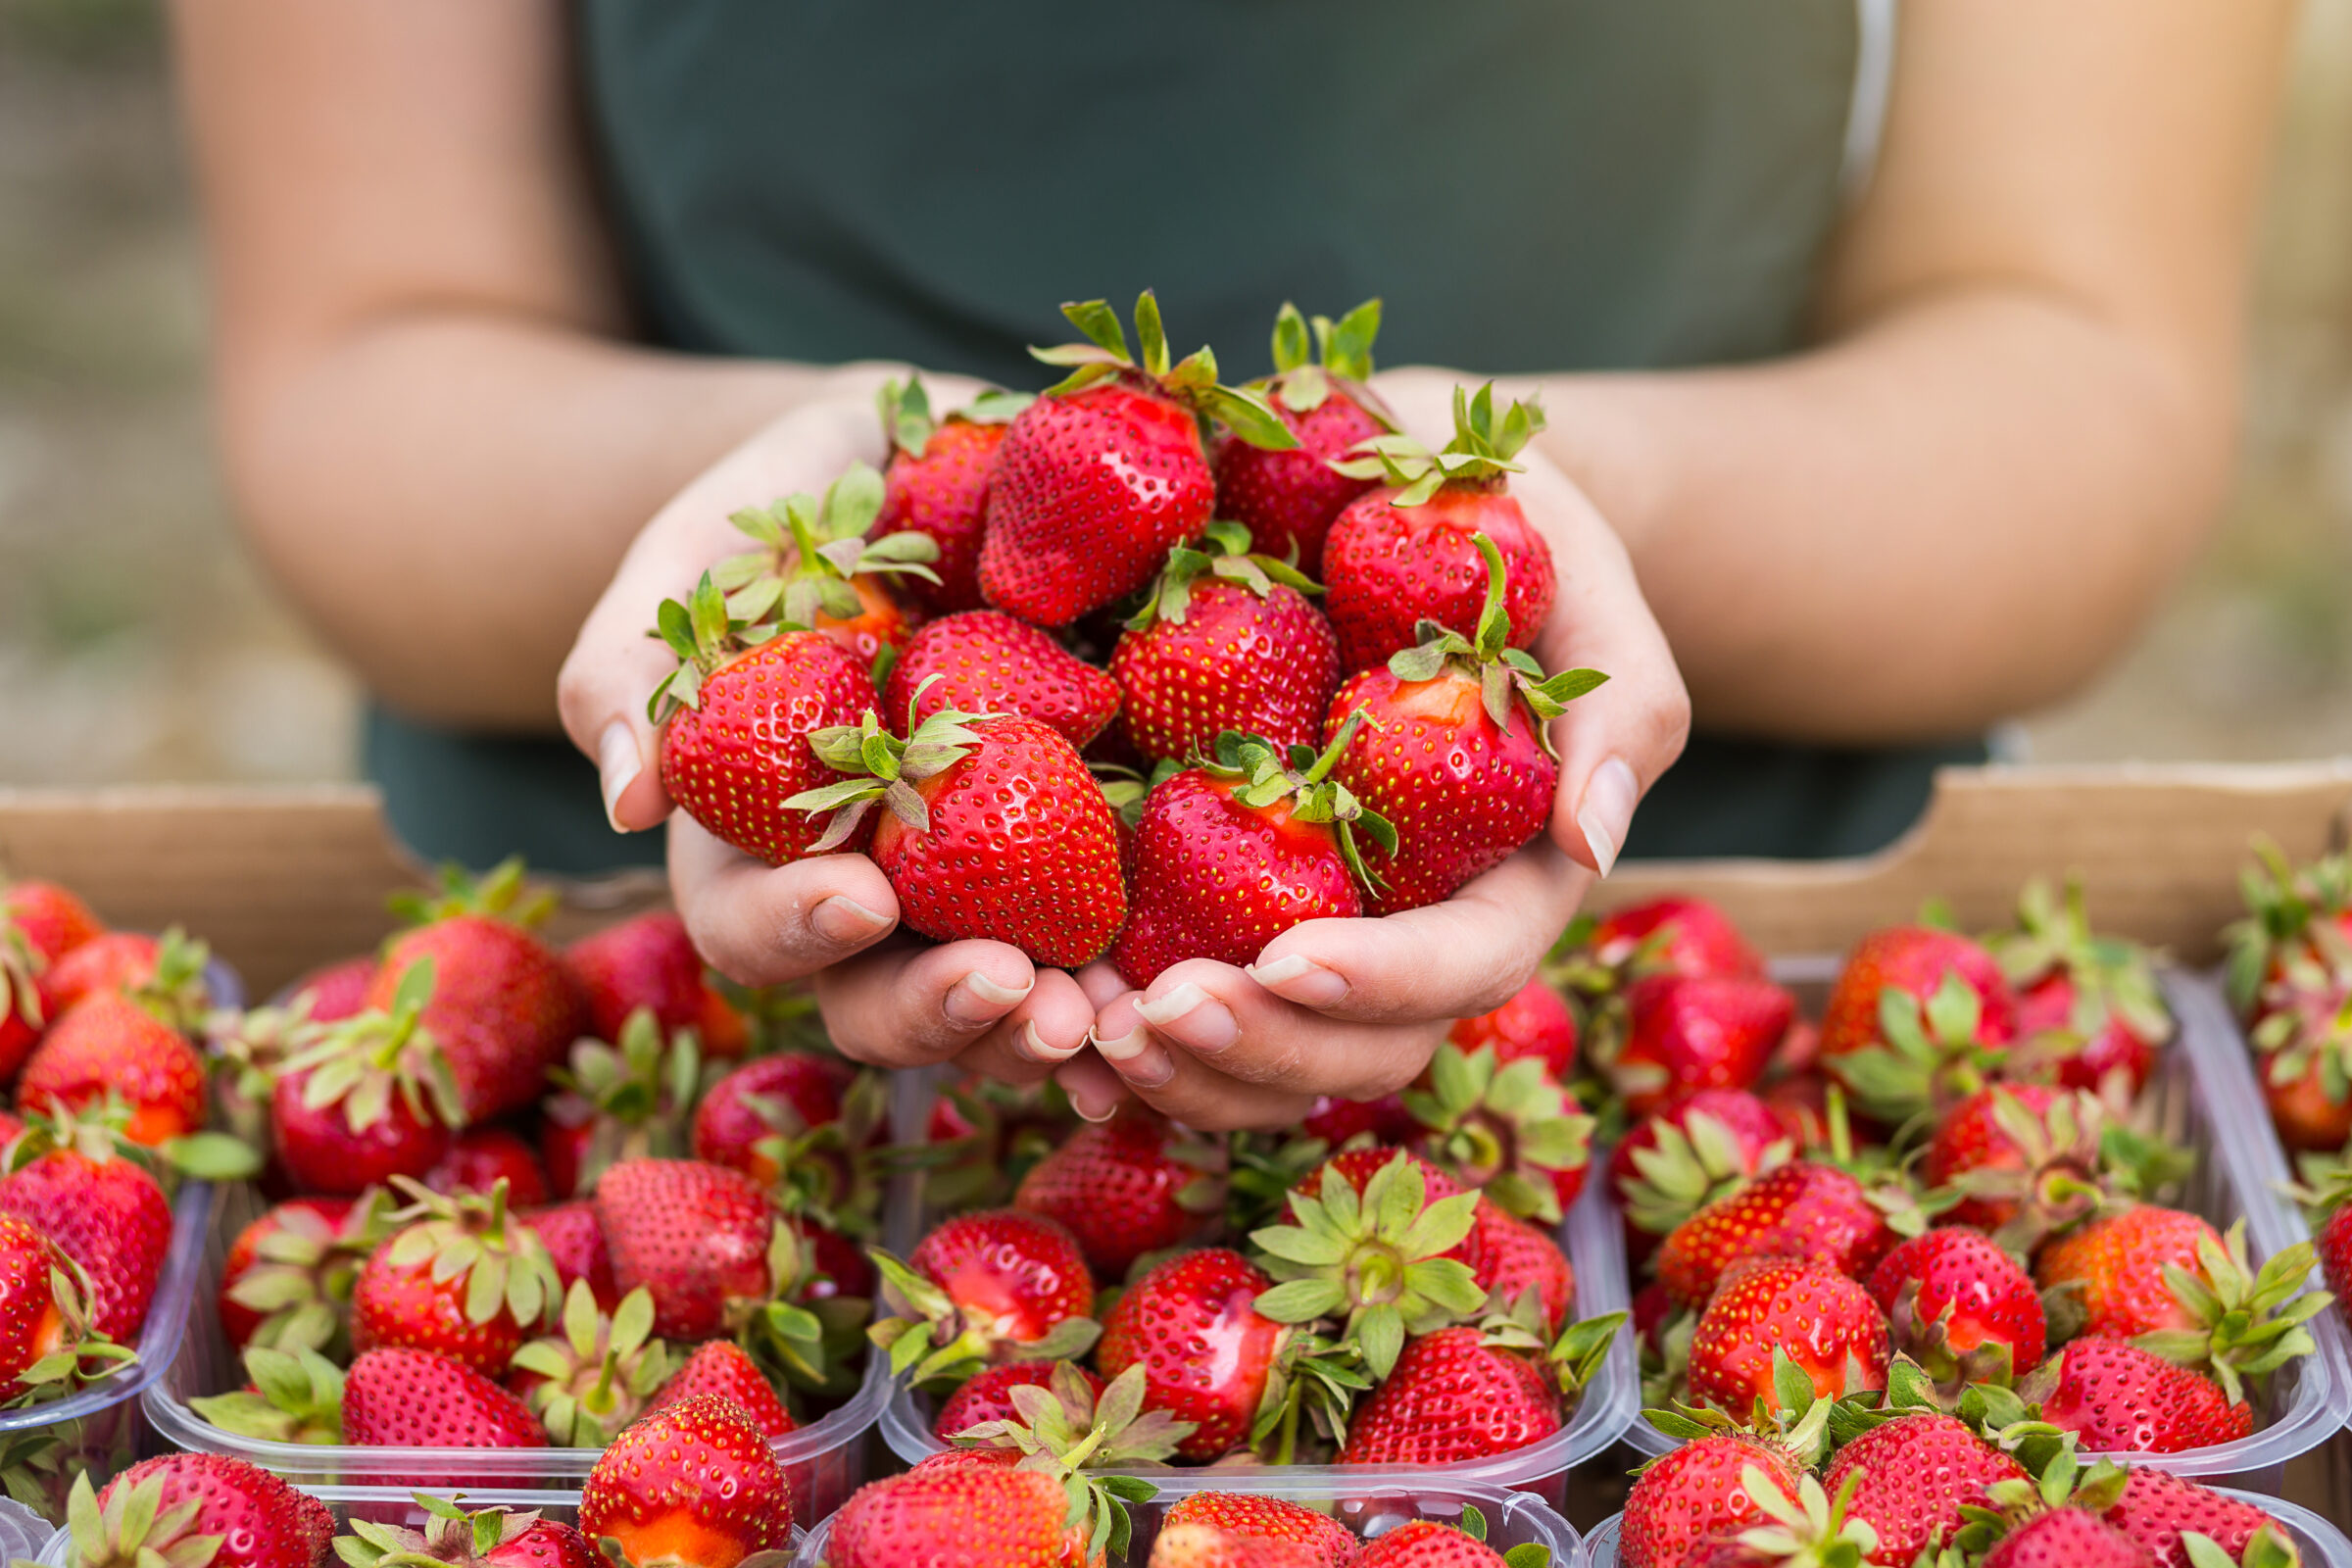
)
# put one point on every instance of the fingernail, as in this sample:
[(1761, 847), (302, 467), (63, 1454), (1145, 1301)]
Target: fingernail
[(1120, 1048), (1139, 1058), (1028, 1043), (1300, 979), (1193, 1016), (976, 999), (1089, 1109), (843, 919), (1607, 810), (617, 762)]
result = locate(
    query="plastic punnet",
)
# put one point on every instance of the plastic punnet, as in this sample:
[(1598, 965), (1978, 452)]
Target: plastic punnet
[(1368, 1501)]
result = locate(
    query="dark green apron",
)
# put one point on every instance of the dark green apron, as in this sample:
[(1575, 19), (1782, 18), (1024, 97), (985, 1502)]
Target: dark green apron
[(1529, 184)]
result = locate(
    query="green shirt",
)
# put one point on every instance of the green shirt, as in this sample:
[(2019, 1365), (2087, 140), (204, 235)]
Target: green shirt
[(1529, 186)]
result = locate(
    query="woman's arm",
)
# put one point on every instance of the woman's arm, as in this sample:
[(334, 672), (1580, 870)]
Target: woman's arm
[(2020, 421)]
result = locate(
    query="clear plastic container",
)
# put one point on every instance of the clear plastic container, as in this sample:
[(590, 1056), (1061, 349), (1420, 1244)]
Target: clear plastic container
[(1370, 1503), (2204, 1098), (826, 1457), (1611, 1400), (2323, 1543), (394, 1505)]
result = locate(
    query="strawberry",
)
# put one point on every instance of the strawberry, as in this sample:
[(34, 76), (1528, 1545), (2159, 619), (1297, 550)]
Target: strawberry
[(47, 1345), (2114, 1269), (1206, 1546), (2157, 1509), (402, 1398), (988, 1396), (813, 565), (457, 1276), (502, 1008), (1097, 479), (197, 1508), (289, 1397), (694, 1484), (487, 1538), (1918, 1018), (286, 1280), (747, 1119), (480, 1158), (1677, 934), (996, 1285), (1961, 1307), (1288, 498), (1536, 1022), (2290, 976), (575, 1247), (1405, 553), (1427, 1544), (2122, 1399), (338, 990), (1703, 1489), (596, 1373), (960, 1515), (41, 923), (1702, 1147), (624, 1100), (2086, 1005), (1130, 1186), (1674, 1033), (704, 1240), (1449, 1397), (112, 960), (721, 1368), (1225, 640), (102, 1209), (1510, 1131), (988, 662), (937, 484), (2066, 1537), (1322, 1540), (1206, 1352), (644, 962), (2024, 1158), (1459, 759), (1231, 854), (1912, 1474), (131, 1046), (736, 717), (1512, 1259), (994, 830), (1823, 1322), (1802, 1209), (1065, 1429)]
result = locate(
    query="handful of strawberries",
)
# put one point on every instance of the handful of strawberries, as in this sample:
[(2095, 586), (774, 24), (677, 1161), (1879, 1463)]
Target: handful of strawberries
[(1111, 591)]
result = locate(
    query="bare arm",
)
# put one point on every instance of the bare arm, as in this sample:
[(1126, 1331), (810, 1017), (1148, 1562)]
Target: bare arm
[(2022, 417)]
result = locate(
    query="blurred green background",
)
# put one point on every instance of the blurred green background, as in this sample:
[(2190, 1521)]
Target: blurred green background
[(136, 642)]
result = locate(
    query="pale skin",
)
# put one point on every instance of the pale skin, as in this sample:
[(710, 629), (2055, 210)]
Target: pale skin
[(2016, 425)]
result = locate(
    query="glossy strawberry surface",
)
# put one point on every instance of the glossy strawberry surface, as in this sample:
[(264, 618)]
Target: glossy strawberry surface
[(1264, 664), (1387, 568), (987, 661)]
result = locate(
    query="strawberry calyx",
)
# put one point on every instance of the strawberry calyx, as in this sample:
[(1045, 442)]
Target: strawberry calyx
[(1191, 380), (1930, 1058), (2077, 1162), (1477, 458), (1299, 779), (504, 1264), (503, 893), (1223, 553), (247, 1051), (1571, 1358), (936, 1339), (452, 1536), (1812, 1532), (100, 1132), (884, 768), (909, 422), (1373, 1265), (303, 1271), (1797, 1417), (296, 1396), (600, 1369), (811, 1342), (82, 1354), (1340, 360), (705, 637), (2109, 977), (636, 1093), (1313, 1382), (1504, 1127), (2304, 1026), (2249, 1322), (1502, 670), (361, 1062), (175, 993), (22, 965), (1064, 1430), (808, 551), (830, 1173), (2063, 1482), (133, 1529), (1690, 1166), (2284, 908)]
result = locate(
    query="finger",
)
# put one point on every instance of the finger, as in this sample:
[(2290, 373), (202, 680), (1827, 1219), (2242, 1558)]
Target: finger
[(910, 1006), (1181, 1086), (1093, 1089), (1101, 982), (1445, 960), (762, 925), (1207, 1029)]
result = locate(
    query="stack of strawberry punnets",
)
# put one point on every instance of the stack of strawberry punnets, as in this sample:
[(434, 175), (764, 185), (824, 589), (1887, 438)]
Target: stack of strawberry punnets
[(932, 665), (530, 1196)]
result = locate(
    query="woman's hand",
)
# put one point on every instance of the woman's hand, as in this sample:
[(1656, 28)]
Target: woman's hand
[(892, 1002), (1355, 1007)]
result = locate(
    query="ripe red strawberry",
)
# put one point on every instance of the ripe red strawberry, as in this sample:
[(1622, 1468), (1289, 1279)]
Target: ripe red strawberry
[(1099, 478), (644, 962), (2113, 1268), (2157, 1509), (1130, 1186), (112, 960), (575, 1247), (993, 829), (1512, 1258), (181, 1507), (2066, 1537), (1510, 1131), (1452, 1396), (2122, 1399), (102, 1209), (2089, 1006), (2289, 978), (988, 662), (701, 1238), (625, 1101), (480, 1158), (1206, 1546), (1961, 1307), (1226, 640), (400, 1399), (1335, 1121), (486, 1537), (1679, 1034), (336, 992), (503, 1009), (45, 1333), (1427, 1544), (937, 483), (1206, 1352), (286, 1280), (736, 717), (1289, 499), (1458, 757), (991, 1286), (1826, 1324), (1916, 1473), (594, 1371), (813, 565), (750, 1119), (117, 1043), (1802, 1209), (1674, 935), (694, 1484), (41, 923), (2008, 1145), (1536, 1022), (959, 1513), (1231, 854), (420, 1290), (1322, 1540), (721, 1368), (987, 1395), (1702, 1147), (1404, 553), (1698, 1492), (1917, 1019)]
